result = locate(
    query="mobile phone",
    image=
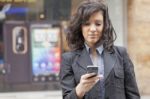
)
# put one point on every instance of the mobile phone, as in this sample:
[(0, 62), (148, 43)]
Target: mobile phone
[(92, 69)]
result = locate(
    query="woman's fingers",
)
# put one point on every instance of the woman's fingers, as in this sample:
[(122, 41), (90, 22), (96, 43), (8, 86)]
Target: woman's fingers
[(89, 78), (87, 81), (88, 75)]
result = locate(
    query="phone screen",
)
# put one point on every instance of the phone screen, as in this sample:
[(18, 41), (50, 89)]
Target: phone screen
[(92, 69), (46, 52)]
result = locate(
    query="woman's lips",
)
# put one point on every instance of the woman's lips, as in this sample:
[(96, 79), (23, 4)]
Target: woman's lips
[(92, 36)]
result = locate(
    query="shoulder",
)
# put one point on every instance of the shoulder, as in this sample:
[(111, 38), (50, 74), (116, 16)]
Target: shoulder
[(120, 49), (70, 54)]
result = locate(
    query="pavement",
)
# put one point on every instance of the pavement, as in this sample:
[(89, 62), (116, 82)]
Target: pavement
[(38, 95), (145, 97), (32, 95)]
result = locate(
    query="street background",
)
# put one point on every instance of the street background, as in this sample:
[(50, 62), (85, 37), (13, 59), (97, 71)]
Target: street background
[(130, 19), (38, 95), (32, 95)]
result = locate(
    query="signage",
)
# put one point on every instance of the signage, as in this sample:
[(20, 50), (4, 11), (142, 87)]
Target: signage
[(2, 2)]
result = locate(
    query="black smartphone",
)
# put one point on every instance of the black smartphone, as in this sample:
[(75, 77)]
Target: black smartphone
[(92, 69)]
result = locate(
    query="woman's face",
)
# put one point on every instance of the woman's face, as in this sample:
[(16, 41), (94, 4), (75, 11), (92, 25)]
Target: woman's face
[(92, 29)]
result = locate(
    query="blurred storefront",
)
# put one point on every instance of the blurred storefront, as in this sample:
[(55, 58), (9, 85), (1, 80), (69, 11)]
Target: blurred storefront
[(31, 43)]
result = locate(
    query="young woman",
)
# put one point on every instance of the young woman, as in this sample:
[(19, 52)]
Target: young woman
[(91, 37)]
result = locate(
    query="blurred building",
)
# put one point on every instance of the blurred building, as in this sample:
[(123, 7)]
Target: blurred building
[(139, 40), (31, 35), (131, 20)]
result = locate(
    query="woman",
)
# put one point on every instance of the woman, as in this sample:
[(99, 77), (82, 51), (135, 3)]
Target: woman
[(91, 37)]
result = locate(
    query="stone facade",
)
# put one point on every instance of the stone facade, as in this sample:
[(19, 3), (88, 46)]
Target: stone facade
[(139, 41)]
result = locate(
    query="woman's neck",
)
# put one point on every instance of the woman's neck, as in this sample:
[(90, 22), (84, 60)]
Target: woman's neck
[(93, 52)]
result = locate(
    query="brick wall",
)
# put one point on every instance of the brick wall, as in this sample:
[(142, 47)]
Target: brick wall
[(139, 41)]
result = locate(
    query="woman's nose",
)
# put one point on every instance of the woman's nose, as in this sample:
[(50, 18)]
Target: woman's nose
[(92, 28)]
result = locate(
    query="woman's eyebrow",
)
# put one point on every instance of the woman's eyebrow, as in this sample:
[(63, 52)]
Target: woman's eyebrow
[(99, 21)]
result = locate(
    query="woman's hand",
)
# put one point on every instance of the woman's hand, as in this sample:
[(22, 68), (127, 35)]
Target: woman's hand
[(86, 83)]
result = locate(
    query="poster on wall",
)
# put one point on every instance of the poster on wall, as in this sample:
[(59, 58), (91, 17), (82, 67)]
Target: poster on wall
[(45, 52)]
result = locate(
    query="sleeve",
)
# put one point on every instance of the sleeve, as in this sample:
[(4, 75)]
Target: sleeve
[(131, 88), (67, 79)]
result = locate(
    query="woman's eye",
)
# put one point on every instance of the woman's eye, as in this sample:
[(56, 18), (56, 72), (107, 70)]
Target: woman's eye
[(86, 24), (98, 24)]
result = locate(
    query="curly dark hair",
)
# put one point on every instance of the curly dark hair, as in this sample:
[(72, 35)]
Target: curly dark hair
[(84, 11)]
